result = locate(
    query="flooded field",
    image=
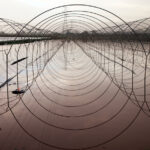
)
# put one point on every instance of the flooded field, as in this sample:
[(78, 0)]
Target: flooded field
[(76, 96)]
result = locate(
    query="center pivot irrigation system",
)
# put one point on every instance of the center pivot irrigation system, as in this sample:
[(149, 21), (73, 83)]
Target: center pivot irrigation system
[(71, 58)]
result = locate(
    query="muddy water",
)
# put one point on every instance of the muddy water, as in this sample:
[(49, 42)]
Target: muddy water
[(77, 96)]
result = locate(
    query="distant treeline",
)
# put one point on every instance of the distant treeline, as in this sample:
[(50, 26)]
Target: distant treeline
[(23, 41), (87, 36), (93, 36)]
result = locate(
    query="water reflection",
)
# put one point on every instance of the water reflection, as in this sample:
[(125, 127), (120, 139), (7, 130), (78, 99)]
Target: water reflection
[(77, 95)]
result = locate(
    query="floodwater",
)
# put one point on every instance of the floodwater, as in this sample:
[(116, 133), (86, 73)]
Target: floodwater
[(77, 96)]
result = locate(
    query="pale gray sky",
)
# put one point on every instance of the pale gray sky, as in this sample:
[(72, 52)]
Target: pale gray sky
[(24, 10)]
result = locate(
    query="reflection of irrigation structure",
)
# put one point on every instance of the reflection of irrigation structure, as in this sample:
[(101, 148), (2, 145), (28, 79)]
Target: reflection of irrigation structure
[(99, 54)]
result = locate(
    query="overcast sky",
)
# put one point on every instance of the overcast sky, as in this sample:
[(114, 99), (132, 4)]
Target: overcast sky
[(24, 10)]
